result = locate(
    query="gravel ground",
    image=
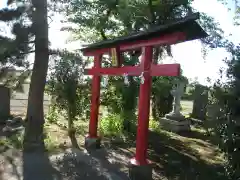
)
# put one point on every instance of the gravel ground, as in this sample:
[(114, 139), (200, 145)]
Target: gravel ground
[(71, 165)]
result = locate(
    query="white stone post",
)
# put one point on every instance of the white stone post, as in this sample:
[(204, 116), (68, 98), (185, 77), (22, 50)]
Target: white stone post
[(177, 93)]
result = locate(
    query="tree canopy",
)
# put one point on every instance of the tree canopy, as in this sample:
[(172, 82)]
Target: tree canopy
[(14, 45)]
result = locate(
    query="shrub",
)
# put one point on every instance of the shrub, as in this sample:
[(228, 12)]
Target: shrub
[(154, 125), (227, 129), (112, 124), (52, 116)]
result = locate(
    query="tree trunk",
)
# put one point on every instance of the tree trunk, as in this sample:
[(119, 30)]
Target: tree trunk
[(71, 129), (33, 138)]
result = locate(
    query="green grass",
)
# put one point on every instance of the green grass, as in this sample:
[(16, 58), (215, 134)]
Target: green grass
[(187, 107)]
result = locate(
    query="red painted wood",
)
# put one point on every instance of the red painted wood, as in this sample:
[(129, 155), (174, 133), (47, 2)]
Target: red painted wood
[(165, 70), (95, 100), (130, 70), (168, 39), (155, 70), (144, 108)]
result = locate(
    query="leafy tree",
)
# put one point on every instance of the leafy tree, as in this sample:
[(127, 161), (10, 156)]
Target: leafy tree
[(225, 96), (29, 23), (14, 46), (106, 19), (121, 98), (69, 89)]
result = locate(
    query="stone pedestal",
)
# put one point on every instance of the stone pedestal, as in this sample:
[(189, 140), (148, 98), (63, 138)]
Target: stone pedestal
[(92, 143), (140, 172), (175, 123)]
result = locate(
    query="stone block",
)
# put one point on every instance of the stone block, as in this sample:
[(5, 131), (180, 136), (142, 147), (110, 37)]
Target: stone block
[(200, 102), (175, 116), (140, 172), (174, 125), (92, 143)]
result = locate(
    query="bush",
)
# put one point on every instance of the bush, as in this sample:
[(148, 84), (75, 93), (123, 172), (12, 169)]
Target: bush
[(111, 125), (227, 129), (154, 125), (52, 116), (15, 141)]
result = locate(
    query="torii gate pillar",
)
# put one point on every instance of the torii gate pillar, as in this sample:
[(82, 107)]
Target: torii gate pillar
[(139, 167), (92, 140)]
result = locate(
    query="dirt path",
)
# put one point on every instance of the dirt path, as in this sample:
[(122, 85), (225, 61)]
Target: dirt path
[(71, 165)]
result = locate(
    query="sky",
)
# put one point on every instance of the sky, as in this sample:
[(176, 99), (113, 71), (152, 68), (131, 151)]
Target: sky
[(188, 54)]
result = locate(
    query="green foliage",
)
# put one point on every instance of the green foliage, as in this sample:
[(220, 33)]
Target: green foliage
[(67, 86), (50, 145), (68, 89), (154, 125), (106, 19), (161, 96), (13, 141), (120, 98), (15, 46), (226, 97), (53, 115), (112, 124)]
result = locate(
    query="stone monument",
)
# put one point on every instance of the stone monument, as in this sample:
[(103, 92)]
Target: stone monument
[(175, 121), (200, 102)]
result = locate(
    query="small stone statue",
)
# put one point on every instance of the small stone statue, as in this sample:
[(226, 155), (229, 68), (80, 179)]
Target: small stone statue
[(177, 94)]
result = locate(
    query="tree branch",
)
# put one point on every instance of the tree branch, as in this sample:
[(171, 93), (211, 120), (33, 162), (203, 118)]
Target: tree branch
[(153, 17), (104, 37)]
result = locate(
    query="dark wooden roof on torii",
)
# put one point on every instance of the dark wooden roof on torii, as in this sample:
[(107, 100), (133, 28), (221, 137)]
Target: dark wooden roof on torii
[(183, 30)]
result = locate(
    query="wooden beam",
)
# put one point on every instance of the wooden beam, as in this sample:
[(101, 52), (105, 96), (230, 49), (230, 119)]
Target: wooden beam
[(155, 70), (130, 70), (168, 39)]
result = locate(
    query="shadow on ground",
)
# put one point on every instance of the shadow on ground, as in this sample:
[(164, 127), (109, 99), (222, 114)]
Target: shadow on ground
[(173, 159), (73, 164), (36, 166)]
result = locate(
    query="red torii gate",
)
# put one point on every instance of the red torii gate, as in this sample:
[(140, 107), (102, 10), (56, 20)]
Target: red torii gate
[(183, 30)]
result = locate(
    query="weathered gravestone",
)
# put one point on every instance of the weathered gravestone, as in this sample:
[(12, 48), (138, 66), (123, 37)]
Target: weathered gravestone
[(175, 121), (4, 103), (200, 102)]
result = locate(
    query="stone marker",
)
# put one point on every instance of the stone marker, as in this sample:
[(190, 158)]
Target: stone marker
[(175, 121), (200, 102), (4, 103)]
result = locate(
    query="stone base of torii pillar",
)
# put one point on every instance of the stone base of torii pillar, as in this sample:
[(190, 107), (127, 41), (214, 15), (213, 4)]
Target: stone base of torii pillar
[(175, 121)]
